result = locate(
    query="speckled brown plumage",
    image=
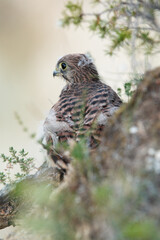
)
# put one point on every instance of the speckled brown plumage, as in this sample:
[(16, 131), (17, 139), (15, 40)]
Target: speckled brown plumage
[(84, 104)]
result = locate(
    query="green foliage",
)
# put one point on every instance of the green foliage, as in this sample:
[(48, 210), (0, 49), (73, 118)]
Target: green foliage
[(2, 177), (127, 87), (143, 230), (72, 14), (130, 86), (20, 159), (118, 39), (80, 151), (121, 22), (119, 91)]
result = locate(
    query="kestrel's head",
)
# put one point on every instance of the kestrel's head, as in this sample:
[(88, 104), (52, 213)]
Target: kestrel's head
[(76, 68)]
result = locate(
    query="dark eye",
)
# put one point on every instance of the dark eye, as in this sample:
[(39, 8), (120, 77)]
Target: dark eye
[(63, 66)]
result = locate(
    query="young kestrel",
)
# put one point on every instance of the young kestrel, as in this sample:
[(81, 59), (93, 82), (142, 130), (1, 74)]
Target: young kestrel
[(84, 104)]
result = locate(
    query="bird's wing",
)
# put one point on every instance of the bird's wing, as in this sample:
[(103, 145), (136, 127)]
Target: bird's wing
[(101, 103)]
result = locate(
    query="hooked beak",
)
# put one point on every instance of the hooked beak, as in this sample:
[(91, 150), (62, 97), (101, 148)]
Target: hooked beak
[(57, 73)]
